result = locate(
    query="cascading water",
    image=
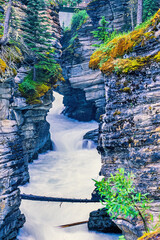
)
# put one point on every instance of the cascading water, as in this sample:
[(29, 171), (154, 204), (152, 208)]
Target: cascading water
[(66, 172)]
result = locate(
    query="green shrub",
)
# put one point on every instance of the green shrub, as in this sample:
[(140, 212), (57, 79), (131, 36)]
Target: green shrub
[(102, 31), (120, 197), (78, 19)]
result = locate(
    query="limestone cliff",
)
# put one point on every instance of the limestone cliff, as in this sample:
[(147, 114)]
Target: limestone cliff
[(129, 129)]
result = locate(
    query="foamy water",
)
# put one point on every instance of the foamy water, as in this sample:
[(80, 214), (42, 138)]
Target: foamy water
[(66, 172)]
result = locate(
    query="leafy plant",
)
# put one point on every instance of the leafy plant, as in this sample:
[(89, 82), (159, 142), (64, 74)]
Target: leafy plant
[(120, 196), (121, 237), (102, 33), (149, 8), (79, 17)]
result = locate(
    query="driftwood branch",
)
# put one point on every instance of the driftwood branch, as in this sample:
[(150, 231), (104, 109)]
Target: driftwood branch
[(73, 224), (54, 199)]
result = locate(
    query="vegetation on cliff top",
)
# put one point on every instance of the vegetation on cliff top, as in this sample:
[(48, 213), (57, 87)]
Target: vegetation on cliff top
[(34, 49), (109, 57)]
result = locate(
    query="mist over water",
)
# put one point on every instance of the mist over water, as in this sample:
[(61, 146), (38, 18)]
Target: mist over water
[(66, 172)]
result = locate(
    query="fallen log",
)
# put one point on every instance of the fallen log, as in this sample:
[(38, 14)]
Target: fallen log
[(55, 199), (73, 224)]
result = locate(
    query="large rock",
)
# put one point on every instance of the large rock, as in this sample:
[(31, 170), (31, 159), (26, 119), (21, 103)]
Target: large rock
[(116, 13), (100, 221)]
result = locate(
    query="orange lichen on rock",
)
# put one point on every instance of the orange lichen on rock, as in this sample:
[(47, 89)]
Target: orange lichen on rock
[(109, 56), (151, 236), (3, 66)]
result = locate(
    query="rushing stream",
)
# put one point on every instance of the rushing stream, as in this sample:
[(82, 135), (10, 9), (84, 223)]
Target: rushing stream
[(66, 172)]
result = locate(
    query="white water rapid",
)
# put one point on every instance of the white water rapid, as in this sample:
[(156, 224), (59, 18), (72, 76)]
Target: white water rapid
[(66, 172)]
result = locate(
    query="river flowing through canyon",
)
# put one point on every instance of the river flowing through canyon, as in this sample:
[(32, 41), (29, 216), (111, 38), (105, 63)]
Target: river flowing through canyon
[(65, 172)]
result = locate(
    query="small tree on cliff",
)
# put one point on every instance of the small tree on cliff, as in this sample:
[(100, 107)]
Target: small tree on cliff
[(120, 197), (36, 35)]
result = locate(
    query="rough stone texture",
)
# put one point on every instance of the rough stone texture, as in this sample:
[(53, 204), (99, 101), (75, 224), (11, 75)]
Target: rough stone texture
[(100, 221), (130, 139), (92, 135), (116, 13), (24, 133), (84, 89), (13, 167)]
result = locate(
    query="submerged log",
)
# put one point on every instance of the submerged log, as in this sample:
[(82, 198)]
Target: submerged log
[(73, 224), (55, 199)]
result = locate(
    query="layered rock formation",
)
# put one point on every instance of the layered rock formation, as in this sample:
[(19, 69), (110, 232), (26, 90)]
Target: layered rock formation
[(102, 222), (129, 130), (24, 132), (84, 90), (116, 13)]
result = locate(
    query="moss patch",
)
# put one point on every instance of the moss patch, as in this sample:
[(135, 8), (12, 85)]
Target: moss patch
[(3, 66), (32, 90), (108, 57)]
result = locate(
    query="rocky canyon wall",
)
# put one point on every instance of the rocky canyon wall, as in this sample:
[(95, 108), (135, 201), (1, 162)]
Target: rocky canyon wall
[(129, 131), (24, 132), (84, 89)]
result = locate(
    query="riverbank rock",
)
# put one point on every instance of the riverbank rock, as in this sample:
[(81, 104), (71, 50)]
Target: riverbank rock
[(92, 135), (100, 221)]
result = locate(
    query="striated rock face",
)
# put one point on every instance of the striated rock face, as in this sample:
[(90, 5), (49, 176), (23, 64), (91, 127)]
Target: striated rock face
[(116, 13), (84, 89), (31, 120), (129, 134), (23, 133), (13, 167)]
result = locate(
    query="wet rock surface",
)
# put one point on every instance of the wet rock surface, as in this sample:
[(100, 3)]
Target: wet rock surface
[(84, 89), (100, 221)]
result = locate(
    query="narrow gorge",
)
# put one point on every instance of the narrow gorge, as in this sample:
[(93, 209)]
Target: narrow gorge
[(110, 95)]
